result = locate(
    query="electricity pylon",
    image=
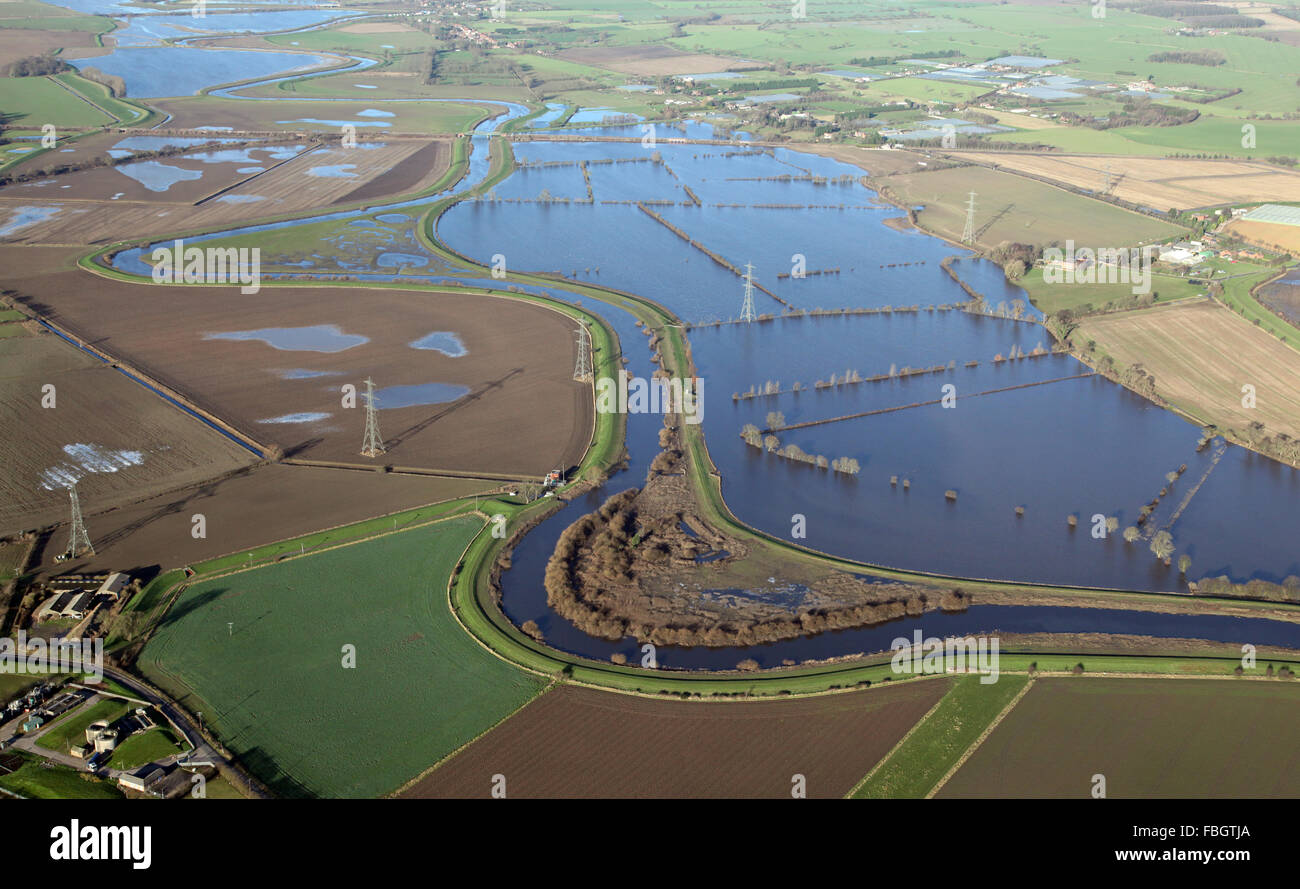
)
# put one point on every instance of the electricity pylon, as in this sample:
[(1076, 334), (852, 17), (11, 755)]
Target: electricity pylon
[(747, 308), (373, 444), (582, 371), (968, 233), (79, 541)]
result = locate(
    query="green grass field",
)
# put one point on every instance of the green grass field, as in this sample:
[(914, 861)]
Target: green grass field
[(37, 779), (35, 101), (934, 747), (13, 684), (1051, 298), (143, 747), (1011, 208), (260, 654)]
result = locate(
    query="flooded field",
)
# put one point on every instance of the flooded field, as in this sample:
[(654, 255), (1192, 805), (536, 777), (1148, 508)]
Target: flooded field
[(1077, 446)]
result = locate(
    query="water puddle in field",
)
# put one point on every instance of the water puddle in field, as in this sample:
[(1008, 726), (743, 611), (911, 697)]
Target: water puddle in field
[(87, 459), (307, 417), (443, 341), (333, 171), (317, 338), (299, 373), (418, 394), (25, 216)]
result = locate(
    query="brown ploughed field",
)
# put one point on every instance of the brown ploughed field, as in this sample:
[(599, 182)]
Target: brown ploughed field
[(1202, 354), (118, 440), (245, 509), (580, 742), (1158, 182), (1150, 738), (523, 414), (89, 213)]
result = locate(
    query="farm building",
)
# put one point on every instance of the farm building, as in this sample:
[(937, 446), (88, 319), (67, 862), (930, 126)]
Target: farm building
[(1278, 214), (143, 779), (73, 604), (114, 585)]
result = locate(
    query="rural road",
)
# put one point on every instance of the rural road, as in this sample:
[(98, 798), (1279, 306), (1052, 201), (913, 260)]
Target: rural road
[(202, 751)]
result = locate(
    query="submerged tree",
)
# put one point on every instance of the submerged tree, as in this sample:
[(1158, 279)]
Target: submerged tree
[(1163, 545)]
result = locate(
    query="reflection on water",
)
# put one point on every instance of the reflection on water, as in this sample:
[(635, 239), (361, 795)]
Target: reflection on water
[(418, 394)]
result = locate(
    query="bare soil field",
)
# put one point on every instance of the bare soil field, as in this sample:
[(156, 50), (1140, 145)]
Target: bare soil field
[(88, 215), (117, 439), (419, 170), (523, 413), (1201, 354), (1158, 182), (579, 742), (244, 509), (1268, 234), (653, 60), (1151, 738), (1011, 208), (121, 184), (18, 44)]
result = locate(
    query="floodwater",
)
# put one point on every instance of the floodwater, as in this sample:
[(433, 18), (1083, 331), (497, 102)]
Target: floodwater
[(1073, 447), (1054, 445), (156, 175), (153, 72), (316, 338), (443, 341)]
